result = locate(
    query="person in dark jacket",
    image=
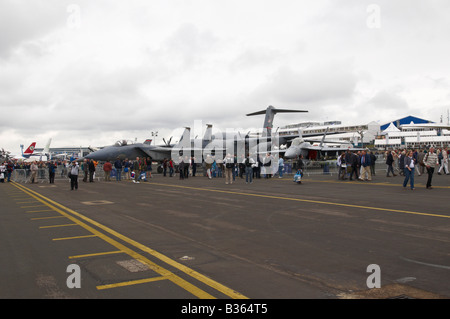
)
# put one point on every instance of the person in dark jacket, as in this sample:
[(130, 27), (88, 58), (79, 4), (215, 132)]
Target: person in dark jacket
[(365, 167), (409, 167), (355, 163), (389, 162), (181, 167), (373, 159), (91, 171), (51, 172), (118, 166)]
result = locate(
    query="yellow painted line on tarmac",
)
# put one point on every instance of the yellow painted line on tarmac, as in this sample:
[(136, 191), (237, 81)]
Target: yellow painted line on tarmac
[(162, 271), (304, 200), (39, 211), (56, 226), (31, 206), (399, 184), (51, 217), (74, 237), (133, 282), (97, 254)]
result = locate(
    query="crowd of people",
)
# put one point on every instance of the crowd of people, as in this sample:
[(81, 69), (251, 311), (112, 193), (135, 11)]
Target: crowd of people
[(358, 165), (229, 167), (361, 164)]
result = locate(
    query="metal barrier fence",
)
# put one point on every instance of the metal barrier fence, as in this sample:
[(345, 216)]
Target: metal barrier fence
[(320, 168), (290, 167)]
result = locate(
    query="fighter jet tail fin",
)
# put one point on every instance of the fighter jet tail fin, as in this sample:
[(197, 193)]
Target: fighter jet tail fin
[(323, 138), (208, 132)]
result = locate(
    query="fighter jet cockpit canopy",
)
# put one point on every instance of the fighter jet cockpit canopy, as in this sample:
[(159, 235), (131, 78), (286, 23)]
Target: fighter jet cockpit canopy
[(297, 141), (123, 143)]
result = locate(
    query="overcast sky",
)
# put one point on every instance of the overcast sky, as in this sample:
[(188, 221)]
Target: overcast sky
[(92, 72)]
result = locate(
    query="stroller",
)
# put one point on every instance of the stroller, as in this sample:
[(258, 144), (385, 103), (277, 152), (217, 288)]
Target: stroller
[(298, 176)]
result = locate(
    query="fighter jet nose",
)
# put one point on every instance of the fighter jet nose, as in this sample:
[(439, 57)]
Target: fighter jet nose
[(289, 154)]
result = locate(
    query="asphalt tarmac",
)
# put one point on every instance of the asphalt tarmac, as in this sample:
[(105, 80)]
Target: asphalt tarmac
[(200, 238)]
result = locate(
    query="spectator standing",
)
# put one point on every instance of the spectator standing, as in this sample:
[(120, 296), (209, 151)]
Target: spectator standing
[(248, 163), (365, 167), (280, 167), (118, 166), (430, 161), (373, 159), (341, 163), (389, 163), (164, 165), (421, 165), (181, 165), (444, 162), (73, 173), (85, 168), (107, 168), (34, 169), (171, 168), (91, 168), (228, 161), (137, 166), (51, 172), (149, 166), (127, 168), (208, 165), (194, 166), (409, 164)]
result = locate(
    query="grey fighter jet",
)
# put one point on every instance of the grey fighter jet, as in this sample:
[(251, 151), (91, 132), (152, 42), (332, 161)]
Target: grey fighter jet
[(125, 149)]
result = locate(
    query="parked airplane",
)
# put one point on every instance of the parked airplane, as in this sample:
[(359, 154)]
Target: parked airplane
[(211, 144), (234, 142), (24, 155), (43, 156), (303, 146), (127, 149)]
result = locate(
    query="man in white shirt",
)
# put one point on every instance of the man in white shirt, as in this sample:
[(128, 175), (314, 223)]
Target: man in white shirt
[(430, 161)]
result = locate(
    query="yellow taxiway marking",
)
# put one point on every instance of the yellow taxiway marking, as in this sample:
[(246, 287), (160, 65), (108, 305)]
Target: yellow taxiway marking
[(54, 226), (74, 237), (51, 217), (71, 214), (359, 182), (97, 254), (304, 200), (32, 206), (38, 211), (133, 282)]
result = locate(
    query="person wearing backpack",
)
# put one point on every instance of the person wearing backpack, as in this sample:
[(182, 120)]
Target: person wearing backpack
[(248, 163), (228, 162), (73, 173)]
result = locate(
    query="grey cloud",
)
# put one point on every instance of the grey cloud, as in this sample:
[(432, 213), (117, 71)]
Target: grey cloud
[(317, 84), (385, 100), (22, 21)]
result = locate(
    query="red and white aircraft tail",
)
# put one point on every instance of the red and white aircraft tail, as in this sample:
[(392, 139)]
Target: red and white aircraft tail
[(30, 150)]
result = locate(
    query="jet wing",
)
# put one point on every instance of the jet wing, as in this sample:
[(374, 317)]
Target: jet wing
[(331, 149), (155, 152)]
